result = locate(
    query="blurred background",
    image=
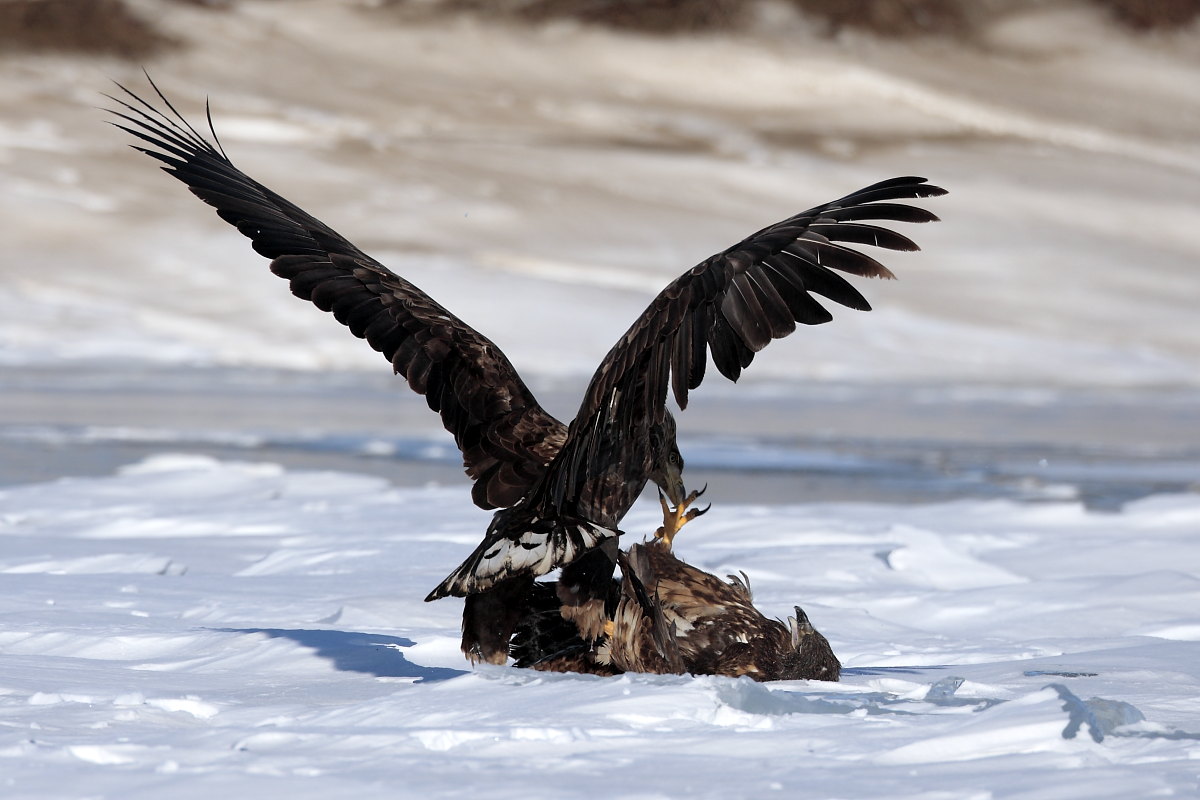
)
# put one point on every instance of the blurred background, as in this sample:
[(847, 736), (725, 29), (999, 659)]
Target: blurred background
[(544, 167)]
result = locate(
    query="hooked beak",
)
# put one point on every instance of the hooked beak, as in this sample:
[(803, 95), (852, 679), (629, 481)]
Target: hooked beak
[(673, 486)]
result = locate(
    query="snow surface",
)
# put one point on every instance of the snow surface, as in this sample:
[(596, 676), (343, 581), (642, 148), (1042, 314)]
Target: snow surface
[(189, 627)]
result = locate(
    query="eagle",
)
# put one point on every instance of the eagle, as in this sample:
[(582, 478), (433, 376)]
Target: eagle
[(559, 491), (666, 616), (674, 617)]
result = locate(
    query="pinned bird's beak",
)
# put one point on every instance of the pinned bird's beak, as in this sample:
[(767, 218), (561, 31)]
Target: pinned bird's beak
[(800, 627)]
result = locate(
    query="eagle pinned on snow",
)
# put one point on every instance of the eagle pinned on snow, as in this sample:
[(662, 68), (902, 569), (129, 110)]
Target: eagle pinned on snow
[(561, 491), (666, 616), (674, 617)]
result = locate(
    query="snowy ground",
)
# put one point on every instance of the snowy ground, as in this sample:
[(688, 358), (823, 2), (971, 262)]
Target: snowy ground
[(219, 513), (190, 627)]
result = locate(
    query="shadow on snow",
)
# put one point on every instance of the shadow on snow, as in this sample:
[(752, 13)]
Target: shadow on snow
[(369, 653)]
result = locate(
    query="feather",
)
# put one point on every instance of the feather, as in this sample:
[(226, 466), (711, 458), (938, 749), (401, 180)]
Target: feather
[(827, 254), (322, 266), (864, 234), (892, 212)]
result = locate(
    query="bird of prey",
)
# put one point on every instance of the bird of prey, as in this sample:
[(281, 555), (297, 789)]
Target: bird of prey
[(666, 616), (679, 618), (560, 490)]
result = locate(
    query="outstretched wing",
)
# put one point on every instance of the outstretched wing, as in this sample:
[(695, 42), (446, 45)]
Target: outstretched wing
[(506, 438), (731, 306), (734, 303)]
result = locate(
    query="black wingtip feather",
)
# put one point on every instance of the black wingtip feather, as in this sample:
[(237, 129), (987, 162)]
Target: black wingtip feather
[(328, 270)]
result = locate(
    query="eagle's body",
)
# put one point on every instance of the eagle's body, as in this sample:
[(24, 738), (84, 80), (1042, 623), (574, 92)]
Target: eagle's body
[(716, 628), (667, 616), (561, 490)]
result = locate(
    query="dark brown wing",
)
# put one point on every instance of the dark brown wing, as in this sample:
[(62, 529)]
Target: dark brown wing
[(506, 438), (731, 305), (734, 303)]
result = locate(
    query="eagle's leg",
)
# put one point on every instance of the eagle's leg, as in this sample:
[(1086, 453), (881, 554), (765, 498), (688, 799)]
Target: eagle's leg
[(676, 518)]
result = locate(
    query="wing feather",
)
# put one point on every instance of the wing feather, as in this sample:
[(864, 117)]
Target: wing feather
[(507, 439), (890, 212), (864, 234), (778, 316), (521, 544), (832, 256), (737, 301)]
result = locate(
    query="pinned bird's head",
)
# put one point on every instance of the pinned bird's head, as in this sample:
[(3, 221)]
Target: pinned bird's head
[(667, 469), (810, 656)]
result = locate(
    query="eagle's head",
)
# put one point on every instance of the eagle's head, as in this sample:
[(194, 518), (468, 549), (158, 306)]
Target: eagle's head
[(666, 462), (810, 656)]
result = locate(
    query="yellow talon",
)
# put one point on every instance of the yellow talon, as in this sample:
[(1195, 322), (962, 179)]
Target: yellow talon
[(676, 518), (609, 628)]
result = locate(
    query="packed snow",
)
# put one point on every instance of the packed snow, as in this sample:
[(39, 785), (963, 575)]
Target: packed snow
[(219, 513), (190, 626)]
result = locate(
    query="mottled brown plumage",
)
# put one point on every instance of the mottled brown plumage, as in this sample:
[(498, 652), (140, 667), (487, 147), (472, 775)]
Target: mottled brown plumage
[(561, 491), (640, 638), (717, 629), (667, 617)]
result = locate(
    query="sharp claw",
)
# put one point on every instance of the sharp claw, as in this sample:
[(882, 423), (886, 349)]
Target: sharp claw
[(675, 518)]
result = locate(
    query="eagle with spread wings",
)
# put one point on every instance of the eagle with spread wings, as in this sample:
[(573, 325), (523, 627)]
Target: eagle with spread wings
[(560, 490)]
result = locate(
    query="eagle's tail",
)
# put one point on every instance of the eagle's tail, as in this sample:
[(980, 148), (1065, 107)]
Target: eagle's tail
[(519, 542)]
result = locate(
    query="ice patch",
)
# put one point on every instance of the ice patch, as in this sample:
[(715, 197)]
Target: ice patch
[(1098, 715)]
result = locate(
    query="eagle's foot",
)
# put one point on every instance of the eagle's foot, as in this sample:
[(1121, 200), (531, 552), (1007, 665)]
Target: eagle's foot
[(676, 518)]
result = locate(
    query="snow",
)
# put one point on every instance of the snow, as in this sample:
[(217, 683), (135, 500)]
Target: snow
[(188, 625), (550, 164), (219, 512)]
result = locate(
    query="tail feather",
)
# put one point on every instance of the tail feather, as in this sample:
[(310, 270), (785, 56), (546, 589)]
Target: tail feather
[(518, 543)]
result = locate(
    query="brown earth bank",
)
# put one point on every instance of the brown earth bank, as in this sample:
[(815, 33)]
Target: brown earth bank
[(129, 30)]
